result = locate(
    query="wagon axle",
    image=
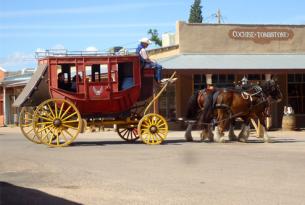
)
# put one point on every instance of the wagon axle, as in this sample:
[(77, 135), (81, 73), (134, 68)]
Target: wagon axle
[(153, 129), (57, 122)]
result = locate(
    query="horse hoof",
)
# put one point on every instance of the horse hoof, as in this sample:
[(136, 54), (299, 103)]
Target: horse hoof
[(216, 140), (211, 140), (242, 140), (233, 138), (189, 140), (268, 140), (222, 140)]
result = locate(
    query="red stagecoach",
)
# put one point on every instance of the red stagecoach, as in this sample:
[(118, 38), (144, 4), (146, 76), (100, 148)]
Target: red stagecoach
[(69, 92)]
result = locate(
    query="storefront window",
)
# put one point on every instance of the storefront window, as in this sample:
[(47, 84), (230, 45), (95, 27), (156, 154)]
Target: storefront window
[(296, 92), (167, 103), (222, 80), (256, 77), (199, 82)]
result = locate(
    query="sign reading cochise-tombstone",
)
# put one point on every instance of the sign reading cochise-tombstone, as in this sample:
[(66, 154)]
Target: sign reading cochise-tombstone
[(261, 35)]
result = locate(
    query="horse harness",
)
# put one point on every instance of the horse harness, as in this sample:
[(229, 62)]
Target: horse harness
[(247, 95), (203, 94)]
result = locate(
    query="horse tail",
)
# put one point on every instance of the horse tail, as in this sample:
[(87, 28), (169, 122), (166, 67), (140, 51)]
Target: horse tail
[(207, 112), (192, 107)]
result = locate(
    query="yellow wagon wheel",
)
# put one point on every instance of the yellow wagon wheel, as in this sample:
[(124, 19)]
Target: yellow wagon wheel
[(57, 122), (153, 129), (129, 134), (26, 124)]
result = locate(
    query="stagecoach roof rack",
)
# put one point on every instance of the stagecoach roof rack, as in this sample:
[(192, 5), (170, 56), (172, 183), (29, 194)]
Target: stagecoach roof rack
[(66, 53)]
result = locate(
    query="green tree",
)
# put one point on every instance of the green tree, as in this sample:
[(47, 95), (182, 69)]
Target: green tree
[(196, 13), (154, 37)]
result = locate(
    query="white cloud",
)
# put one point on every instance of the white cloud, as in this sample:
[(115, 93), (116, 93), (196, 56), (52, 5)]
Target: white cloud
[(58, 47), (91, 49), (18, 61)]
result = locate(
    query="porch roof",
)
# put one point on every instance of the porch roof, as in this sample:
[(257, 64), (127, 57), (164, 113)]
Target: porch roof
[(234, 61)]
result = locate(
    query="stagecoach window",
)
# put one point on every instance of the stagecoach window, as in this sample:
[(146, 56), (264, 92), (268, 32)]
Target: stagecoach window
[(126, 79), (97, 73), (73, 71), (88, 73), (66, 76), (64, 73), (296, 92)]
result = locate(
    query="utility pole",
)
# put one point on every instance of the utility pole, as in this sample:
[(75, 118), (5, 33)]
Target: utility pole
[(218, 16)]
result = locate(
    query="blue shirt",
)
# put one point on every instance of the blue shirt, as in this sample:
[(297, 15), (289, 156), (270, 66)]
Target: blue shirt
[(139, 48)]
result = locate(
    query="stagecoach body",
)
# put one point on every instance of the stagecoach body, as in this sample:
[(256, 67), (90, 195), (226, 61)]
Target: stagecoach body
[(70, 92), (100, 89)]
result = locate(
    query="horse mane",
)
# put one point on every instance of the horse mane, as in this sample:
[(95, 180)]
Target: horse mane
[(192, 107), (266, 86)]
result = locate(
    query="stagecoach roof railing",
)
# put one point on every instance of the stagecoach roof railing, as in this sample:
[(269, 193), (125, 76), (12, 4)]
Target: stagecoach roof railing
[(66, 53)]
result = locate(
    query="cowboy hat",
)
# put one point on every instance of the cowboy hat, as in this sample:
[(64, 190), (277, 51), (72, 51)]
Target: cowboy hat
[(145, 40)]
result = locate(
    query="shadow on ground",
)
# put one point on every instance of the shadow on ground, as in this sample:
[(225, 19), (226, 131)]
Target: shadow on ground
[(16, 195), (180, 142), (105, 143)]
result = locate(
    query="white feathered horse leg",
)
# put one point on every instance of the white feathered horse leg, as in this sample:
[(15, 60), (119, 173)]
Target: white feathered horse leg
[(188, 133), (266, 136), (204, 134), (232, 136), (218, 136), (244, 133), (210, 133)]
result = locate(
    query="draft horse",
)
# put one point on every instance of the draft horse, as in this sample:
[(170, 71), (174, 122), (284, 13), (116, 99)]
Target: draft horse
[(197, 102), (225, 105)]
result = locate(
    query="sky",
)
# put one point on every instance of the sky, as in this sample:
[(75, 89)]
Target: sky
[(27, 26)]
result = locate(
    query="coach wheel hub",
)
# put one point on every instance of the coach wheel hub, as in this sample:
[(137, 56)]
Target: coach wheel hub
[(153, 129), (57, 122)]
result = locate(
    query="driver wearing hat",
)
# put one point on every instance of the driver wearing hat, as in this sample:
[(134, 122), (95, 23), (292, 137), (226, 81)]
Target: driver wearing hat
[(146, 61)]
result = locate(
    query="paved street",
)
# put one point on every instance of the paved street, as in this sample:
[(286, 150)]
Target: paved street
[(100, 168)]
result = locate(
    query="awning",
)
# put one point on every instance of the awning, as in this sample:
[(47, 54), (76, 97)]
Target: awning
[(235, 61), (21, 83)]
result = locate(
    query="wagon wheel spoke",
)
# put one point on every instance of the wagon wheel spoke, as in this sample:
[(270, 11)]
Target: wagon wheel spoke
[(64, 136), (67, 110), (45, 135), (153, 129), (26, 124), (62, 125), (128, 133), (61, 109), (147, 138), (51, 111)]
